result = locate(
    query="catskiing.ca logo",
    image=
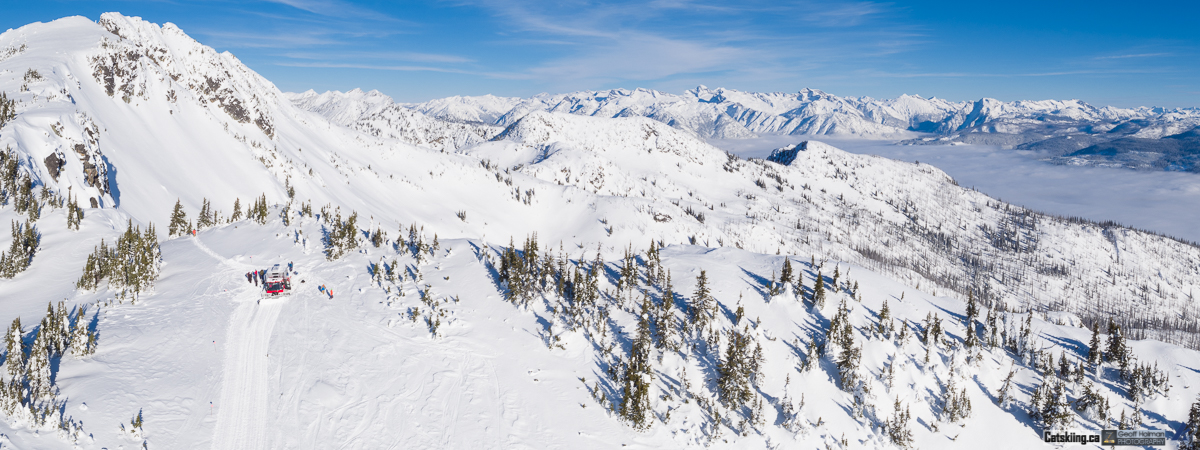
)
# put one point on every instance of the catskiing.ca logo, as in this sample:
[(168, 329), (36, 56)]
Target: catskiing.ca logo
[(1070, 436), (1108, 437)]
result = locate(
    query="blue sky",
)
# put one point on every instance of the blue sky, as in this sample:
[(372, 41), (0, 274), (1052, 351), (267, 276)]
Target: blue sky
[(1105, 53)]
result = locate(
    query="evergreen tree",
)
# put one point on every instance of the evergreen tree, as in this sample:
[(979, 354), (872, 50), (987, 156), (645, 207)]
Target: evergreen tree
[(1117, 352), (14, 346), (237, 210), (897, 426), (1055, 411), (8, 109), (785, 275), (884, 328), (23, 247), (818, 297), (703, 307), (80, 335), (74, 213), (628, 271), (665, 317), (1002, 396), (1091, 405), (205, 219), (972, 312), (956, 406), (261, 210), (38, 366), (377, 237), (635, 391), (1093, 357), (1189, 437), (735, 370), (179, 223)]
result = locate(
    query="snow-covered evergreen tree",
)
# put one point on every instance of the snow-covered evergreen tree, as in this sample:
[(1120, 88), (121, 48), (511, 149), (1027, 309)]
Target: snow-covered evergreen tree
[(14, 350), (205, 218), (818, 296), (1189, 436), (179, 222), (237, 210), (38, 366), (637, 377), (23, 247)]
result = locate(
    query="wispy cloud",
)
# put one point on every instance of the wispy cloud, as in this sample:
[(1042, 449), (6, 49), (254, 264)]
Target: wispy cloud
[(384, 56), (616, 41), (1138, 55), (242, 39), (400, 68), (336, 8)]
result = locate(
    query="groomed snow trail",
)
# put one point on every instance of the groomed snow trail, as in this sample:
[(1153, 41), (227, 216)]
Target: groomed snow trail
[(242, 410)]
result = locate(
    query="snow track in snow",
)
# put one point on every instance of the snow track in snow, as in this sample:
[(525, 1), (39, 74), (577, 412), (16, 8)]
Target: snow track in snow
[(242, 411)]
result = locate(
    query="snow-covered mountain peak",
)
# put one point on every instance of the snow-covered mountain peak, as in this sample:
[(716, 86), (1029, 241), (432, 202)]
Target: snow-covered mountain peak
[(342, 107), (620, 138)]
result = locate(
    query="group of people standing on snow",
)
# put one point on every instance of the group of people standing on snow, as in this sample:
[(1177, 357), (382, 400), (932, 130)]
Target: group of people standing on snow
[(255, 276)]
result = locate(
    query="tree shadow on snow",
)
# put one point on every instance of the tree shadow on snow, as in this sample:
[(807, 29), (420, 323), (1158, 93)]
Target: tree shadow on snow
[(1077, 348), (759, 282)]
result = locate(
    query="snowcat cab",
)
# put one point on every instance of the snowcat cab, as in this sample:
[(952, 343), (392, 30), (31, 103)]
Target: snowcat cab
[(277, 282)]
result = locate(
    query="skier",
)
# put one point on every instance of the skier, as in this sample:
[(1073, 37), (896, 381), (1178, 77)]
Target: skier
[(289, 266), (330, 292)]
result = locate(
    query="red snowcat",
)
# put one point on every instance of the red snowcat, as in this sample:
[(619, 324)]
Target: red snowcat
[(277, 282)]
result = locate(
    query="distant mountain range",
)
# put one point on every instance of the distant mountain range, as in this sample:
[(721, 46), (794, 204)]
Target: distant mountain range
[(1066, 131)]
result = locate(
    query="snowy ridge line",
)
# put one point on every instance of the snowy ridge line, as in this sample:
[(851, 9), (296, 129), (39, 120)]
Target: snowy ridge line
[(730, 114)]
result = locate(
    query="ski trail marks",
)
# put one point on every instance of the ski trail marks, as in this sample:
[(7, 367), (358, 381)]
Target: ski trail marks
[(242, 411)]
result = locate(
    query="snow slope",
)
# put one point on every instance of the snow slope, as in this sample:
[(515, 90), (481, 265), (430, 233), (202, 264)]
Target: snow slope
[(355, 371), (436, 357)]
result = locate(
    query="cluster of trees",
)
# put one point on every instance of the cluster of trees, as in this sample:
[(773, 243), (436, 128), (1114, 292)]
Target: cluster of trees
[(8, 109), (25, 241), (17, 188), (209, 217), (739, 369), (74, 213), (341, 236), (259, 211), (665, 325), (527, 272), (132, 264), (635, 376), (1051, 404), (27, 389)]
